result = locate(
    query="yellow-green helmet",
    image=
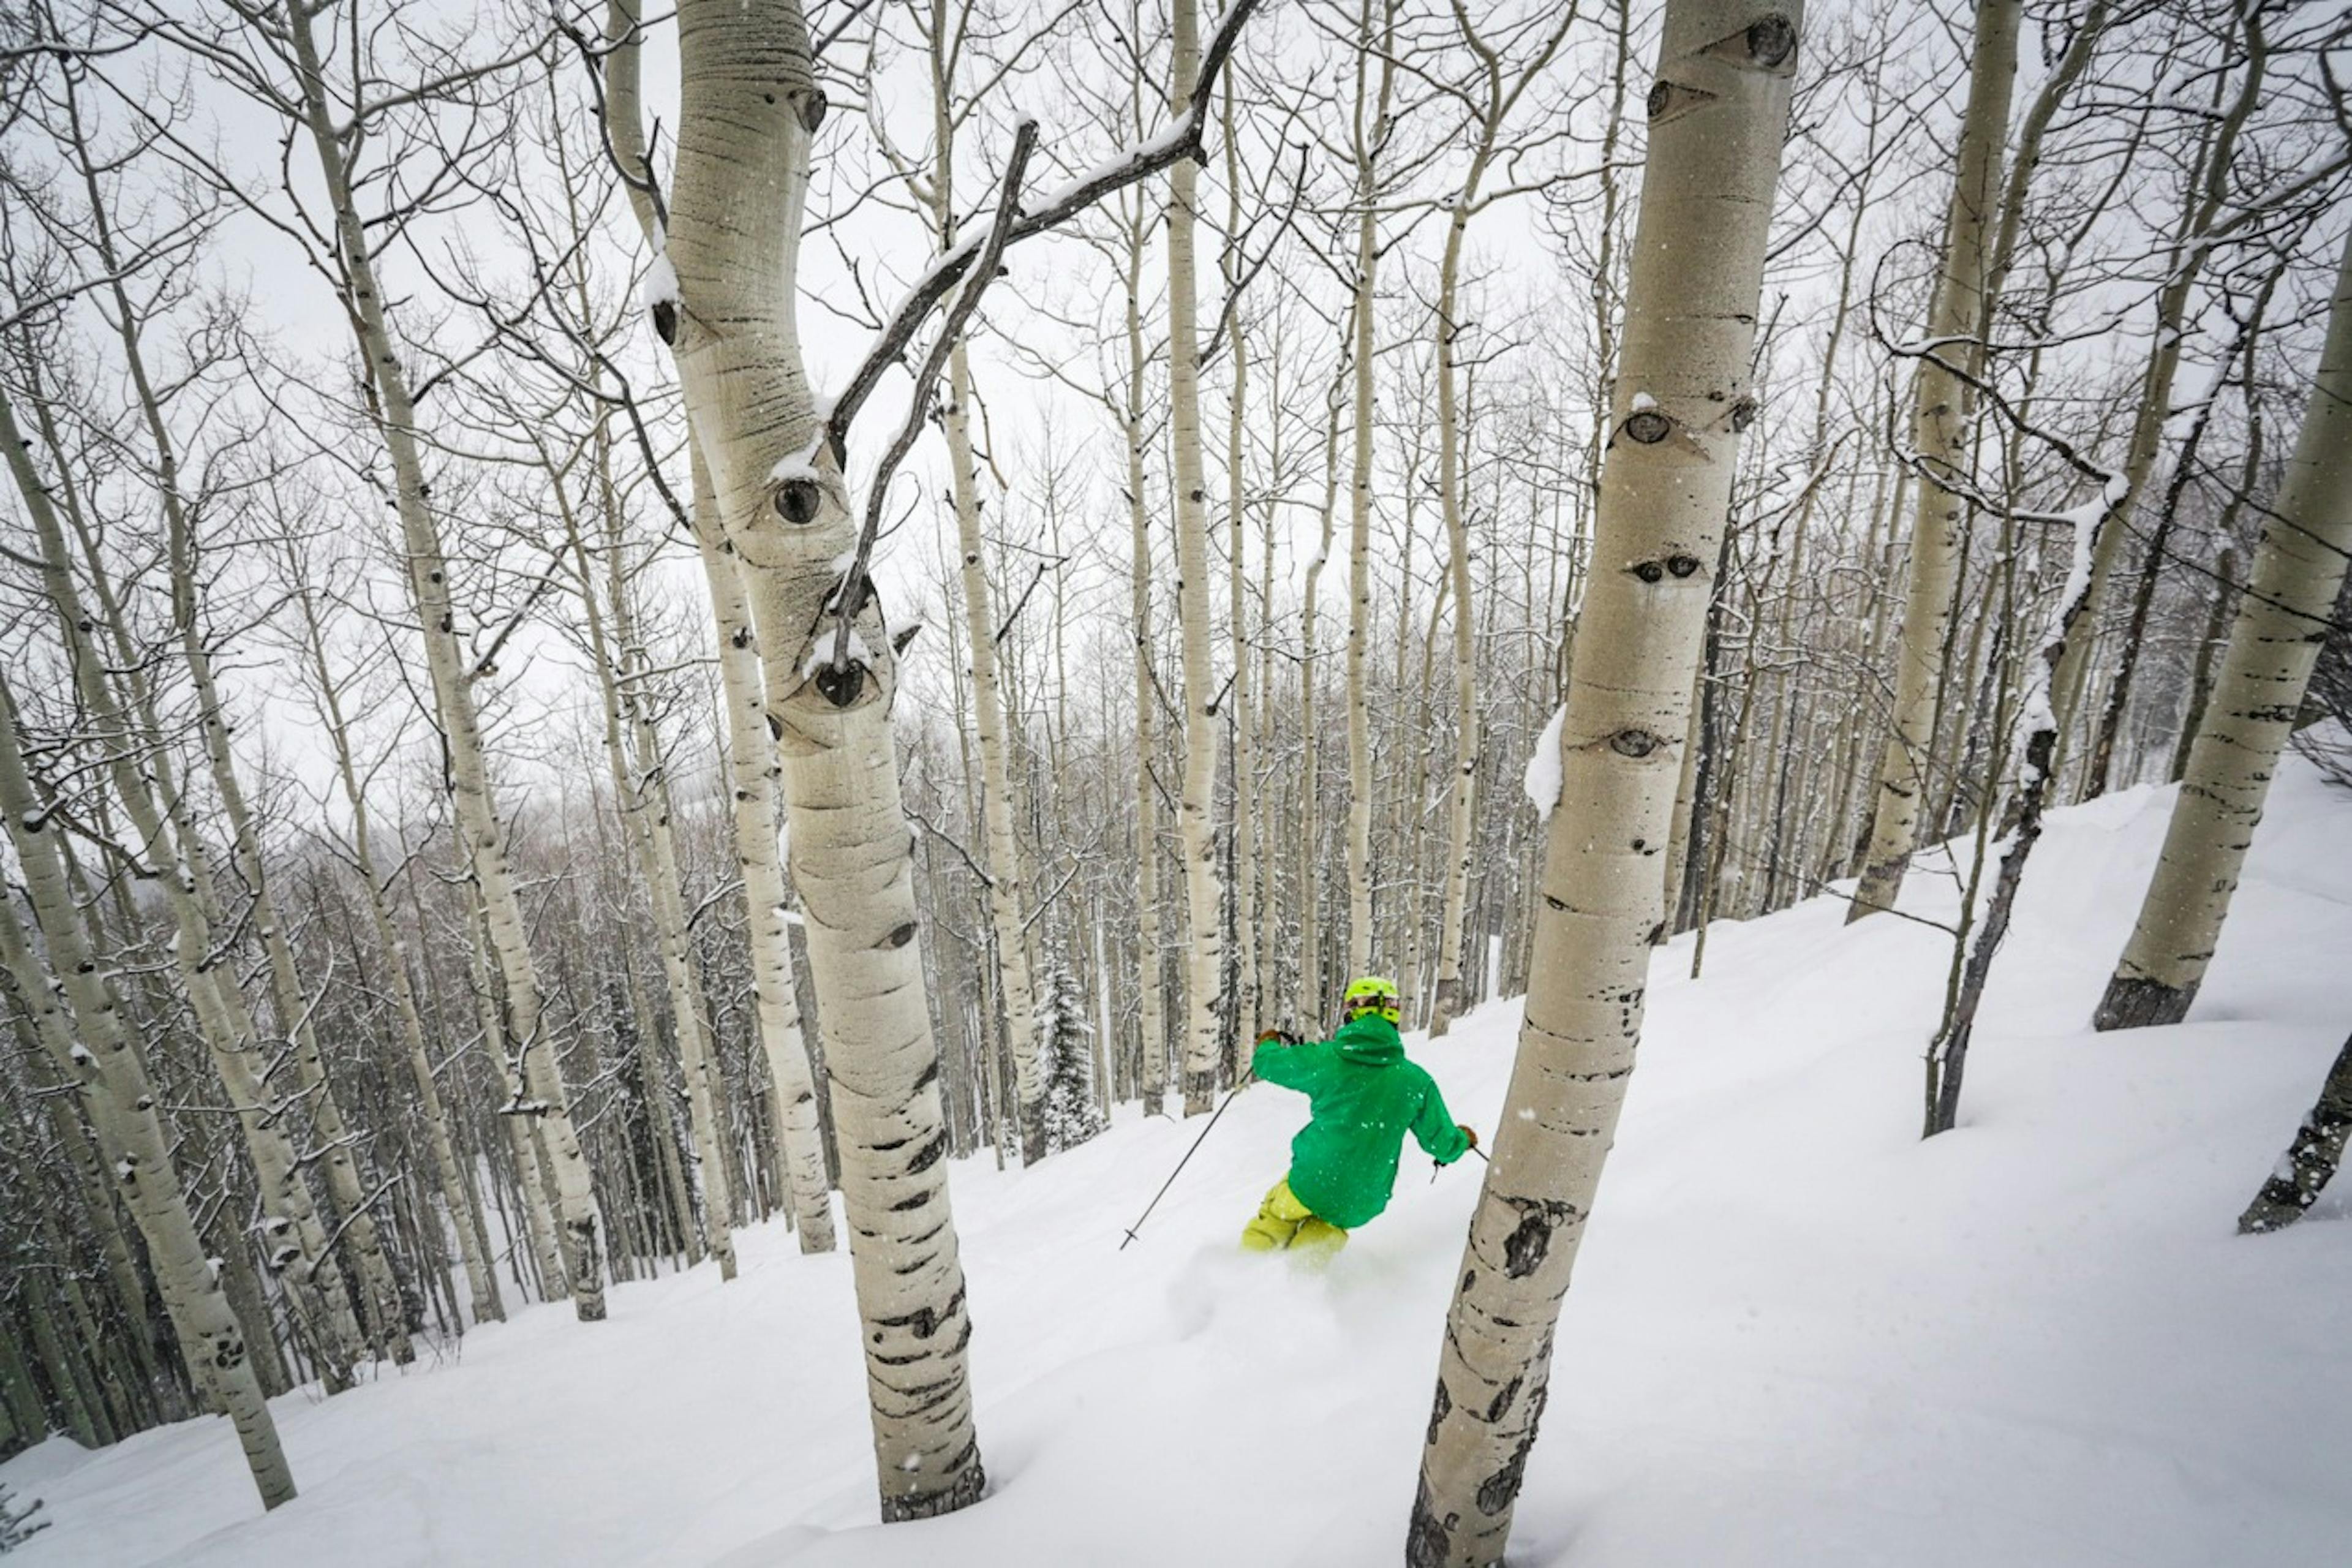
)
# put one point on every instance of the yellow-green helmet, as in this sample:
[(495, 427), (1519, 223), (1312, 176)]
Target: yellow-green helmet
[(1372, 994)]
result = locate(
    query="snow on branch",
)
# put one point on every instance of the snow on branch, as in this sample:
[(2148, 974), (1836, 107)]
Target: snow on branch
[(851, 592), (1181, 138)]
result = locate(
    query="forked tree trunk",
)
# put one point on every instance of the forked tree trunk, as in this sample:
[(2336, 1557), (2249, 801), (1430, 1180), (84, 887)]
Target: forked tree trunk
[(749, 112), (1196, 806), (1718, 112), (1942, 414), (535, 1080), (115, 1091), (2274, 643)]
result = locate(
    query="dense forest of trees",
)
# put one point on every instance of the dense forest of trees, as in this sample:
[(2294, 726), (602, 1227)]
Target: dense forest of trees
[(509, 777)]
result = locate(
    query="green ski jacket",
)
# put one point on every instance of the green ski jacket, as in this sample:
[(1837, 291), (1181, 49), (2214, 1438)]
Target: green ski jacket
[(1364, 1096)]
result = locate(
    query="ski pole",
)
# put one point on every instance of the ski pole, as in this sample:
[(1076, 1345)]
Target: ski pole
[(1186, 1159)]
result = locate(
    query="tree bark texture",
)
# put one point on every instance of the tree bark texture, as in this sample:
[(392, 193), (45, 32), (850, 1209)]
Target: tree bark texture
[(2274, 641), (1718, 111), (749, 108), (1941, 420)]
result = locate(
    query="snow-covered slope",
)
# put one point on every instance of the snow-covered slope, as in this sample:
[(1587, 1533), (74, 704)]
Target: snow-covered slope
[(1796, 1334)]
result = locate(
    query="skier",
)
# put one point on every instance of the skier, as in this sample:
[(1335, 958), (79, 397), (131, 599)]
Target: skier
[(1363, 1095)]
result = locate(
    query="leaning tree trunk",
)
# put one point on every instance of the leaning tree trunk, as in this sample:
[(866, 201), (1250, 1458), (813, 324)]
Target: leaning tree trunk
[(1718, 112), (140, 770), (2303, 1171), (1942, 413), (751, 767), (534, 1081), (2274, 643), (1196, 805), (379, 1295), (749, 112), (115, 1091)]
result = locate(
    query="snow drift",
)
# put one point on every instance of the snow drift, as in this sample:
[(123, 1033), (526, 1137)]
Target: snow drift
[(1796, 1334)]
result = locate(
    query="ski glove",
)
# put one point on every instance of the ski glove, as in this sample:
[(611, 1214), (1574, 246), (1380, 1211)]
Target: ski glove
[(1467, 1133)]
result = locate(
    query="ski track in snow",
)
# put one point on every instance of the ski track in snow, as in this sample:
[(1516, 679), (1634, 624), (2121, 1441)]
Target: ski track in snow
[(1797, 1334)]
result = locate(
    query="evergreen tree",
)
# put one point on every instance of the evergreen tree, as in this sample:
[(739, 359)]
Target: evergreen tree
[(1065, 1063)]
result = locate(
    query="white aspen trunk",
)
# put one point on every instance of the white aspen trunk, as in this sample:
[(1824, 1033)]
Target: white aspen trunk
[(753, 771), (457, 1194), (2274, 641), (1369, 133), (1942, 414), (632, 752), (114, 1089), (1153, 1002), (1197, 805), (535, 1080), (1244, 761), (755, 778), (1719, 113), (749, 108), (140, 770), (1312, 1002), (1007, 888), (544, 1233)]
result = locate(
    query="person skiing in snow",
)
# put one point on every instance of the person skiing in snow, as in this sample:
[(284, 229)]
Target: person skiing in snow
[(1363, 1095)]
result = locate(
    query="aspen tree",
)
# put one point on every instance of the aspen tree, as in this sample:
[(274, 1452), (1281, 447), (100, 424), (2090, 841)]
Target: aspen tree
[(749, 110), (1941, 420), (1196, 804), (1718, 111), (1239, 709), (1498, 95), (753, 771), (945, 36), (2274, 643), (1368, 133), (536, 1083), (114, 1089)]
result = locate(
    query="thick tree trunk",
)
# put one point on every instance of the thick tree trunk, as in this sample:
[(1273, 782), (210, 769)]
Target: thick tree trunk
[(749, 110), (1718, 112), (1942, 414), (2274, 643)]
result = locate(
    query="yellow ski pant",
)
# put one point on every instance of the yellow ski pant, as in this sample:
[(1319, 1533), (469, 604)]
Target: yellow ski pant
[(1284, 1222)]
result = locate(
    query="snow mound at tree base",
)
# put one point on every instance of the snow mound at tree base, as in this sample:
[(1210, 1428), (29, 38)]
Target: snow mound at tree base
[(1798, 1335)]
